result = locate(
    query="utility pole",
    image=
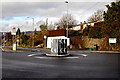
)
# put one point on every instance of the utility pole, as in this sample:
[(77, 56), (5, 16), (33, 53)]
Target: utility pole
[(46, 23)]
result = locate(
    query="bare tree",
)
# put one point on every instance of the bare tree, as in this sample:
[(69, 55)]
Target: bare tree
[(64, 19), (96, 16)]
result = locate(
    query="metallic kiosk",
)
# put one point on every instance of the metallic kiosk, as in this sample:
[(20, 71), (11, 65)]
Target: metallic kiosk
[(58, 47)]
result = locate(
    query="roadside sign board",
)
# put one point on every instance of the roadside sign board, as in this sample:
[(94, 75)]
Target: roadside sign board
[(112, 40)]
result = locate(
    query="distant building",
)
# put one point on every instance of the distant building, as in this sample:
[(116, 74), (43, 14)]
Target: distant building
[(8, 36)]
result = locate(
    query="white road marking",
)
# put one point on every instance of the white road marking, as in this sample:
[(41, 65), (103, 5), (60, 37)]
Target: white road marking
[(71, 57), (32, 55), (56, 58), (83, 55), (41, 57)]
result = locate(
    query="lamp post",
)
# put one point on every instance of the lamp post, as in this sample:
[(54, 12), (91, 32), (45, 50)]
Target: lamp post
[(33, 32), (66, 2)]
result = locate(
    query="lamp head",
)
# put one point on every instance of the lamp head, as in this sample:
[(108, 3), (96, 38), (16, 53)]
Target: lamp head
[(66, 1)]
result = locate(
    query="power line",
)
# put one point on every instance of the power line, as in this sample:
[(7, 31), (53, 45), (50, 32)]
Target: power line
[(89, 8)]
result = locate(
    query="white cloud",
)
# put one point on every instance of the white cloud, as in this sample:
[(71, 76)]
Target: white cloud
[(41, 10), (56, 0)]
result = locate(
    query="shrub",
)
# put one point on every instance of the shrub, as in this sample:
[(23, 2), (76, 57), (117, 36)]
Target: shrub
[(95, 32)]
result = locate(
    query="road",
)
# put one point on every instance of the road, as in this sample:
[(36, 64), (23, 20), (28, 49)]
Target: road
[(77, 65)]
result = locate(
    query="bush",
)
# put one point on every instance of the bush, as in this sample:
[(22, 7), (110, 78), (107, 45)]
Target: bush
[(95, 32), (86, 30), (75, 33), (38, 42), (24, 39)]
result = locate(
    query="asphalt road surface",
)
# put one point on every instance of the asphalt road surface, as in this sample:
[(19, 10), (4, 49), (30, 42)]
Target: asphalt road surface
[(77, 65)]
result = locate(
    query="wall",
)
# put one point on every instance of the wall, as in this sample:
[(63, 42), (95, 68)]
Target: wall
[(76, 42), (90, 42), (85, 42)]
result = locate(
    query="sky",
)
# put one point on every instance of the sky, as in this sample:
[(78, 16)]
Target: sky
[(20, 13)]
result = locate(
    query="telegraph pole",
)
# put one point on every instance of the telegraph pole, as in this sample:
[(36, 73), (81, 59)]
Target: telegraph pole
[(47, 22)]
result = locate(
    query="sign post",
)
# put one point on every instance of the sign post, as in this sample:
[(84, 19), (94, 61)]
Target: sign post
[(13, 38), (112, 41)]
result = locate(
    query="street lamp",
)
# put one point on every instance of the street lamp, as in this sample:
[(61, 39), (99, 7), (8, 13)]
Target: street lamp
[(33, 32), (66, 2)]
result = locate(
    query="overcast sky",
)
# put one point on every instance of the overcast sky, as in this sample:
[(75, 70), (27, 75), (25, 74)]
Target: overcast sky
[(15, 12)]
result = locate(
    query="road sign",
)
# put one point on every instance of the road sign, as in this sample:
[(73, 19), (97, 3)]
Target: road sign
[(50, 40), (112, 40), (62, 46), (59, 46)]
